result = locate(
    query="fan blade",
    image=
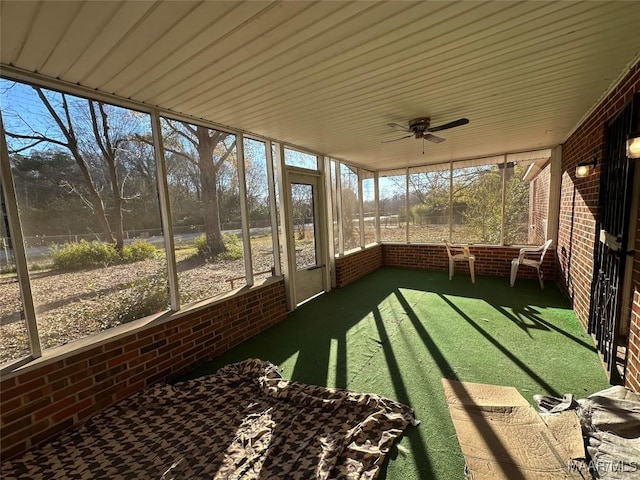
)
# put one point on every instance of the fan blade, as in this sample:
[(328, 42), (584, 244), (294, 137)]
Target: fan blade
[(455, 123), (398, 127), (396, 139), (433, 138)]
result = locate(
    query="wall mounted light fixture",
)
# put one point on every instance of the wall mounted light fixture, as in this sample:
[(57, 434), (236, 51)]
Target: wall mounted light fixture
[(586, 168), (633, 145)]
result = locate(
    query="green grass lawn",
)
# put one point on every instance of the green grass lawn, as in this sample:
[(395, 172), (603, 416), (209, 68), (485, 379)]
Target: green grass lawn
[(398, 332)]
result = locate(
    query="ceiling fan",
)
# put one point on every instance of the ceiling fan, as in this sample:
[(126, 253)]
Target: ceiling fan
[(421, 128)]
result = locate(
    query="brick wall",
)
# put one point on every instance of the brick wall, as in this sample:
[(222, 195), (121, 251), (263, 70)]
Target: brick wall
[(539, 206), (356, 265), (579, 213), (632, 379), (579, 197), (43, 399), (491, 261)]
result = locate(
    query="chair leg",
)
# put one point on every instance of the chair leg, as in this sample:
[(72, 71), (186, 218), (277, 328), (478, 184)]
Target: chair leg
[(514, 272), (451, 268), (540, 277), (472, 270)]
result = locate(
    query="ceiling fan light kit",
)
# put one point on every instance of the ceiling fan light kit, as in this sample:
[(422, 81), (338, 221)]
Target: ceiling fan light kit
[(421, 128)]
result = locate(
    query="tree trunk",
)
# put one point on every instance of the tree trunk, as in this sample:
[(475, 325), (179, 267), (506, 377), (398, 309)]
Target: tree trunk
[(72, 145), (96, 201), (109, 154), (210, 213), (117, 204)]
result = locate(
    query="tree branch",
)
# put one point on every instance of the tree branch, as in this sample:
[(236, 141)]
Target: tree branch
[(38, 139), (187, 137), (96, 132), (73, 189), (224, 156), (105, 127), (67, 131)]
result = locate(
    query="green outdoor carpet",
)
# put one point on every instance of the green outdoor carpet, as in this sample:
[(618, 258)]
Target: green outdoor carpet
[(397, 332)]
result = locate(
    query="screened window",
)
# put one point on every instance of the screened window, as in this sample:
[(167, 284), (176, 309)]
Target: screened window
[(14, 342), (392, 204), (259, 208), (477, 204), (519, 209), (492, 201), (369, 207), (204, 196), (539, 183), (334, 207), (429, 204), (350, 207), (294, 158), (275, 158), (85, 178)]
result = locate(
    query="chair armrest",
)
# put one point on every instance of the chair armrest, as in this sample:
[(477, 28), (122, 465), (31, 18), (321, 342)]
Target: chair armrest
[(524, 251), (533, 249)]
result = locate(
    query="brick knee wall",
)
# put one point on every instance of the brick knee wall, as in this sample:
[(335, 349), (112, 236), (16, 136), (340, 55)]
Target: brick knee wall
[(38, 402), (491, 261), (356, 265)]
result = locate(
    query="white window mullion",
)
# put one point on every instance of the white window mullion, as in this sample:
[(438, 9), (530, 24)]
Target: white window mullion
[(406, 205), (19, 251), (450, 201), (504, 198), (340, 215), (274, 210), (244, 210), (165, 211), (555, 187), (360, 207), (326, 162), (286, 241), (376, 187)]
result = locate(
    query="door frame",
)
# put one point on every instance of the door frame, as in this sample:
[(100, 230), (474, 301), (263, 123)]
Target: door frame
[(320, 207), (611, 284)]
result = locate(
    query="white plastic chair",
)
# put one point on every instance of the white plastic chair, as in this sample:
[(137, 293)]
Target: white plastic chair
[(537, 263), (460, 253)]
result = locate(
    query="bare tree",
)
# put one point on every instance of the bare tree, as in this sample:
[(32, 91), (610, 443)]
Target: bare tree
[(206, 149), (107, 146)]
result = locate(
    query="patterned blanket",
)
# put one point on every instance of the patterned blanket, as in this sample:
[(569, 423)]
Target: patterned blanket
[(244, 422)]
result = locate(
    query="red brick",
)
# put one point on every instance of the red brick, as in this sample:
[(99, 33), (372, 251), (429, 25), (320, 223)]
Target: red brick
[(22, 389), (90, 381)]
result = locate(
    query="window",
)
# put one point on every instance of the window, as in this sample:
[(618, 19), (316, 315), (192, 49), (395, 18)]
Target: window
[(293, 158), (495, 200), (304, 225), (477, 204), (393, 217), (276, 159), (350, 207), (334, 207), (204, 195), (369, 207), (259, 208), (429, 204), (86, 191), (525, 207), (14, 341)]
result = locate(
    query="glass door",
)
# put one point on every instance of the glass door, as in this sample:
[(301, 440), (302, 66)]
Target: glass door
[(306, 251)]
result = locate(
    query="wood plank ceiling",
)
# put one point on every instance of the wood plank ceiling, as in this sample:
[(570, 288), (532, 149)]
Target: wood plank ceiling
[(329, 76)]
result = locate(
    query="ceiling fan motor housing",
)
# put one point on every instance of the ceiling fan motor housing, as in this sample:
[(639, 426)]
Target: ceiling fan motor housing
[(419, 125)]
